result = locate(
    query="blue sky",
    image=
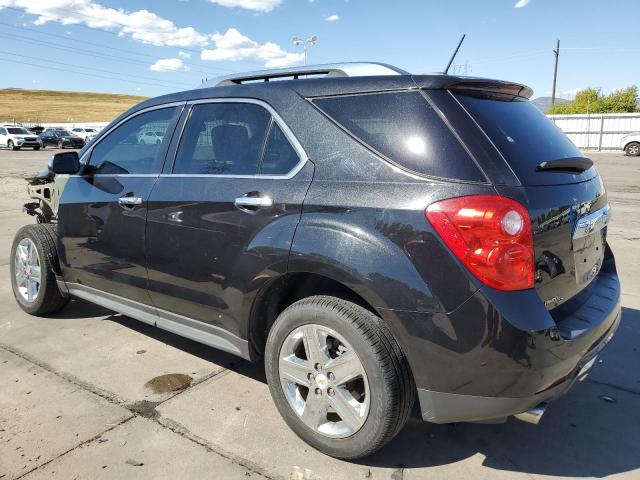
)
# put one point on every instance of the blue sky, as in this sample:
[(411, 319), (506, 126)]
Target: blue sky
[(154, 47)]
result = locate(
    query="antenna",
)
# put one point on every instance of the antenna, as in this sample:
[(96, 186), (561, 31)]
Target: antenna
[(454, 54)]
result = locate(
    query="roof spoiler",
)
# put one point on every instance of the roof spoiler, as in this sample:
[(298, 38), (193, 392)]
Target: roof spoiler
[(473, 84)]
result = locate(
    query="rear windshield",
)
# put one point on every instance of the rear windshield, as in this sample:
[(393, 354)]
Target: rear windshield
[(523, 134), (403, 128)]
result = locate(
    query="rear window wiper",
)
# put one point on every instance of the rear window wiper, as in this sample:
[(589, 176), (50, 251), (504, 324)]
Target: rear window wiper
[(574, 164)]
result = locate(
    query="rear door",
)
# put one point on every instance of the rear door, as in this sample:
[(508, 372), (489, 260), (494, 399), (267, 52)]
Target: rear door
[(222, 219), (567, 200), (102, 213)]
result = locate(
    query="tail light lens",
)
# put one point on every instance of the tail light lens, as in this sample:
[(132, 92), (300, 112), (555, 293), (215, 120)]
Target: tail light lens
[(491, 235)]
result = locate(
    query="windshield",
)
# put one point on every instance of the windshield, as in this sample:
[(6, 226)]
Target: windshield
[(90, 130), (64, 133), (18, 131)]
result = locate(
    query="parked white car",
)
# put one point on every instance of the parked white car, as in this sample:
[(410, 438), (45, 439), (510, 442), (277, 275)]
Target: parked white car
[(14, 137), (86, 133), (630, 143), (151, 137)]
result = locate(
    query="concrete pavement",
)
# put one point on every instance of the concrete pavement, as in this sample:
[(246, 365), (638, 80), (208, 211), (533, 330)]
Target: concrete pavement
[(74, 400)]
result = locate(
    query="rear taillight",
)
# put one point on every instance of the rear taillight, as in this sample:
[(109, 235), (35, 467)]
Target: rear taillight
[(491, 235)]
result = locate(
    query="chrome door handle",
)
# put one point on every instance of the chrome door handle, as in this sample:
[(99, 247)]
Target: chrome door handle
[(129, 201), (253, 202)]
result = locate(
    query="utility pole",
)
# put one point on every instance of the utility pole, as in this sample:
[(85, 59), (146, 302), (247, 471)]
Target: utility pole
[(555, 73)]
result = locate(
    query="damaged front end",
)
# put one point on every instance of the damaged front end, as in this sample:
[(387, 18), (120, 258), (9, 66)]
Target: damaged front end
[(44, 190)]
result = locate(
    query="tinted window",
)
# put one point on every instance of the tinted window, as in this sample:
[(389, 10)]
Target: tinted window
[(123, 151), (522, 133), (405, 129), (3, 131), (223, 139), (279, 156)]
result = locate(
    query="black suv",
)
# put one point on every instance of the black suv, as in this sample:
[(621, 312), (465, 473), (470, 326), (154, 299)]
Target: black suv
[(376, 236), (61, 138)]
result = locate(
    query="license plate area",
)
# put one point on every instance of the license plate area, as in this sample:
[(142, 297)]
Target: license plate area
[(588, 245)]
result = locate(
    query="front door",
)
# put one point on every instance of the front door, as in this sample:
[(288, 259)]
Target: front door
[(103, 211), (221, 221)]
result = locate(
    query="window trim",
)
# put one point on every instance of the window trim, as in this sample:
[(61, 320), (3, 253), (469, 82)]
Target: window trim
[(302, 155), (84, 160)]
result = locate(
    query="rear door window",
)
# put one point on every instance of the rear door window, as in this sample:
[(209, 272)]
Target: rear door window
[(403, 128), (524, 136)]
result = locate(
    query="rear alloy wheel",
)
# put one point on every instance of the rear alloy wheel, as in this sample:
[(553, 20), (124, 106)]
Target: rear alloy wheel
[(338, 376), (633, 149), (32, 276)]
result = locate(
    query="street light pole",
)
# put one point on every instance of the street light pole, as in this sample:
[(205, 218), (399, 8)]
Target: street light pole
[(305, 44)]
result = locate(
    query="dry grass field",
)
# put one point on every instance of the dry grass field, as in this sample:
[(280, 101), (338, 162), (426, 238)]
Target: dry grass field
[(36, 106)]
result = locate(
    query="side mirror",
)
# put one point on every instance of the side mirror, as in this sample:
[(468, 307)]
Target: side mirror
[(64, 163)]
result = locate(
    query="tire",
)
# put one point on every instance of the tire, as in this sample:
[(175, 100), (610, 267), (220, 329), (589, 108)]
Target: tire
[(12, 146), (36, 148), (632, 149), (48, 299), (387, 380), (60, 144)]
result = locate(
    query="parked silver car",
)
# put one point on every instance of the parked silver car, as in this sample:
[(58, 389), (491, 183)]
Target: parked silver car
[(630, 143)]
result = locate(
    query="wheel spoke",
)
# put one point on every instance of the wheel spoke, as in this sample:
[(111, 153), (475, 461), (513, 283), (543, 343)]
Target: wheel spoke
[(315, 411), (31, 287), (21, 278), (315, 349), (35, 273), (346, 367), (345, 406), (295, 370)]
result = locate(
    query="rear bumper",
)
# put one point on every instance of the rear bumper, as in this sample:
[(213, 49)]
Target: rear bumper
[(441, 407)]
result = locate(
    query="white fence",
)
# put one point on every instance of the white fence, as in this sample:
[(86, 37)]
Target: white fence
[(597, 131)]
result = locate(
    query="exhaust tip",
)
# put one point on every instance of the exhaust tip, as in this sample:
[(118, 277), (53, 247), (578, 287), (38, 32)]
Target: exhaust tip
[(533, 415)]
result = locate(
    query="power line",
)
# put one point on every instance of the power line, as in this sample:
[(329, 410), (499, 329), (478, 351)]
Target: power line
[(66, 70), (167, 84), (79, 51), (102, 45)]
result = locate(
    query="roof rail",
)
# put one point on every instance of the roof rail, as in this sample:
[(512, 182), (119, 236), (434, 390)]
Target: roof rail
[(348, 69)]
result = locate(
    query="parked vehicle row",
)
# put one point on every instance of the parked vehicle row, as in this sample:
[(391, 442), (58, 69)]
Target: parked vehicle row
[(15, 137)]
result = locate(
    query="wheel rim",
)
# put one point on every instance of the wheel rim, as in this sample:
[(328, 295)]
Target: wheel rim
[(27, 270), (634, 149), (324, 381)]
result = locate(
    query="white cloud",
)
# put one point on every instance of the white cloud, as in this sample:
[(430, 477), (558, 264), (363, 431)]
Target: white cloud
[(147, 27), (232, 46), (572, 92), (141, 25), (169, 65), (332, 18), (521, 3), (258, 5)]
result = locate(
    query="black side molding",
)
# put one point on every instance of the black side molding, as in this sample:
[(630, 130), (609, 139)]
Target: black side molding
[(574, 164)]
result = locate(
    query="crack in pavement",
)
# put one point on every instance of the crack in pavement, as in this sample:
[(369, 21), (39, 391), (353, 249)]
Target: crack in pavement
[(80, 445), (115, 399), (616, 387)]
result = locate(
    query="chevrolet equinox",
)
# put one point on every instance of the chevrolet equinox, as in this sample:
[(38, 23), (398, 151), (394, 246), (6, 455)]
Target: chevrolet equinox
[(376, 237)]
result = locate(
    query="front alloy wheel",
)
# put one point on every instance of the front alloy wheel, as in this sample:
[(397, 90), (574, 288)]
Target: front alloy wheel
[(27, 270), (324, 381), (33, 278)]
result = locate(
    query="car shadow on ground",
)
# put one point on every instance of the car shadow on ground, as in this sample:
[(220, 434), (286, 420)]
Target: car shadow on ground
[(581, 434)]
